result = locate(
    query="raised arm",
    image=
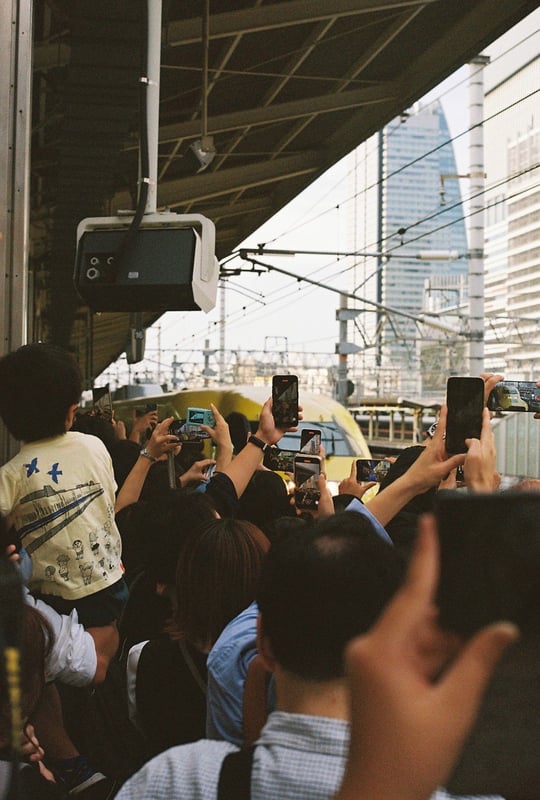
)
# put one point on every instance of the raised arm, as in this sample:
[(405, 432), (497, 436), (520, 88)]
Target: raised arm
[(428, 470), (249, 458), (221, 437), (157, 448), (141, 424)]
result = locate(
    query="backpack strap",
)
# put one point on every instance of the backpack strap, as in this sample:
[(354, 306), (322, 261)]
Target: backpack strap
[(235, 776)]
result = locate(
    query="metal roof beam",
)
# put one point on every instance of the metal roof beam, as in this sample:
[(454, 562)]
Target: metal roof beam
[(280, 112), (213, 184), (278, 15)]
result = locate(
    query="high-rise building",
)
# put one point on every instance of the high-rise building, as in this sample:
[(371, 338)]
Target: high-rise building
[(407, 205), (512, 225)]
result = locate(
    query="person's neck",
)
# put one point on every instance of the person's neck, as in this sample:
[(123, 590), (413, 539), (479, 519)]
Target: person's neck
[(315, 698)]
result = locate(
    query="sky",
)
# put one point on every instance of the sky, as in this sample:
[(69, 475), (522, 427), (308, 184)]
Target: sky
[(274, 312)]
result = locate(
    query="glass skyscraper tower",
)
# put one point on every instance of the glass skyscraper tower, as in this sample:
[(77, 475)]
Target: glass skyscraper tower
[(407, 204)]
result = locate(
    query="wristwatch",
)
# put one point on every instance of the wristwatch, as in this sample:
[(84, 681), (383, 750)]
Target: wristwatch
[(258, 442), (144, 452)]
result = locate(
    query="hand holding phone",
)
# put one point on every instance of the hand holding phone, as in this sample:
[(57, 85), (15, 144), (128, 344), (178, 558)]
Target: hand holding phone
[(306, 474), (187, 432), (279, 460), (465, 401), (514, 396), (365, 470), (285, 400), (310, 441)]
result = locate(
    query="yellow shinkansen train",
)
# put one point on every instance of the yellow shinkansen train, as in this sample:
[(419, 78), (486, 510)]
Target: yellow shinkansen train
[(341, 437)]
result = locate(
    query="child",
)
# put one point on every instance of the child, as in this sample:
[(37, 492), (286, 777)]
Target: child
[(59, 491)]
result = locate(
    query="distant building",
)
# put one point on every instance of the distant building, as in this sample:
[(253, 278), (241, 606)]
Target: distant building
[(407, 203), (512, 223)]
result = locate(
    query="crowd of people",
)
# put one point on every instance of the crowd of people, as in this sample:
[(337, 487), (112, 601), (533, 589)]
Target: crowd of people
[(173, 626)]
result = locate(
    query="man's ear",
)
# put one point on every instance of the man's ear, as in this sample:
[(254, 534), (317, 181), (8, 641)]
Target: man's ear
[(70, 416), (263, 646)]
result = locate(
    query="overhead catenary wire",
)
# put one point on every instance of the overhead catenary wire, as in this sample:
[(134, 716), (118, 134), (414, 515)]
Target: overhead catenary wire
[(285, 291)]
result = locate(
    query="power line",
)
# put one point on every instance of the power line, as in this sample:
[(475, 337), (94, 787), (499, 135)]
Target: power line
[(414, 161)]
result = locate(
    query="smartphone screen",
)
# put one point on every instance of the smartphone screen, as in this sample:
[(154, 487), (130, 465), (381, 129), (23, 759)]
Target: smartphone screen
[(515, 396), (187, 432), (279, 460), (200, 416), (465, 400), (285, 400), (365, 470), (306, 472), (310, 441), (490, 571)]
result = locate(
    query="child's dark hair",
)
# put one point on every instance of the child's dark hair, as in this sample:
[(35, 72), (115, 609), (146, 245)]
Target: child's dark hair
[(38, 384)]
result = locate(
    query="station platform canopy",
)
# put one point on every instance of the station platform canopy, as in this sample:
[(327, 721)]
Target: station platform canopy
[(291, 88)]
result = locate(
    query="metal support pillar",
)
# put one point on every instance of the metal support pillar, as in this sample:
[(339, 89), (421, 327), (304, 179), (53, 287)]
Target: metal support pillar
[(342, 357), (476, 224), (152, 103), (15, 127)]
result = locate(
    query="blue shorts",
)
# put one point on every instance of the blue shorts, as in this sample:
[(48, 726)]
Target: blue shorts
[(95, 610)]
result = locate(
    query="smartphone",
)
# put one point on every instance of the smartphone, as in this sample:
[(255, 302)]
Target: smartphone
[(285, 400), (187, 432), (490, 571), (515, 396), (310, 441), (382, 469), (365, 469), (200, 416), (279, 460), (465, 401), (306, 472)]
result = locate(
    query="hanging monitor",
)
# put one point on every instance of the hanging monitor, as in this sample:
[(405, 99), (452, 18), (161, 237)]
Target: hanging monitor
[(168, 264)]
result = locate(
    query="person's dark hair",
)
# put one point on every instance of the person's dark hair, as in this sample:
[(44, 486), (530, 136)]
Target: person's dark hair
[(96, 425), (265, 499), (239, 428), (217, 576), (38, 384), (169, 520), (323, 587), (287, 526)]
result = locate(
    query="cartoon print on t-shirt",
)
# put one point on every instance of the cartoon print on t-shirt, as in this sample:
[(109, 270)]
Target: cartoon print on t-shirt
[(94, 544), (62, 561), (86, 571), (78, 547), (50, 572)]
